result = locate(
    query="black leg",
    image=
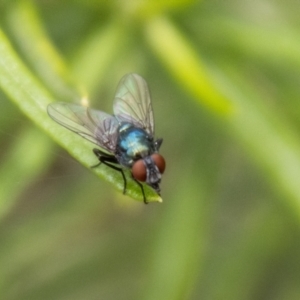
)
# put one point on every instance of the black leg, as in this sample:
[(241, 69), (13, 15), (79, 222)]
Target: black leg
[(100, 153), (109, 160), (142, 188)]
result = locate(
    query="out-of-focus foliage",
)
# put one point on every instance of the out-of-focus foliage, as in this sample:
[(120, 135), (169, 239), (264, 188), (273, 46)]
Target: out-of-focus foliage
[(225, 82)]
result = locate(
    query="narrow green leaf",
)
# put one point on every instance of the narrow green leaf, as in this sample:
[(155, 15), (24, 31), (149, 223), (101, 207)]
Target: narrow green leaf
[(32, 98), (40, 52)]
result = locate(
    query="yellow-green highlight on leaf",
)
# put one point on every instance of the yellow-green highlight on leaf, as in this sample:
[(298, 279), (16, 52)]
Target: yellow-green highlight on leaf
[(32, 99), (37, 48), (142, 10), (185, 64)]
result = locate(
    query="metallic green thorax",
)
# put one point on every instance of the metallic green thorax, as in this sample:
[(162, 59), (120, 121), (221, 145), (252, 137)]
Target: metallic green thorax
[(133, 144)]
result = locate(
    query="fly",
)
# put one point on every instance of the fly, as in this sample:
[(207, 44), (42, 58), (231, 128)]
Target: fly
[(126, 139)]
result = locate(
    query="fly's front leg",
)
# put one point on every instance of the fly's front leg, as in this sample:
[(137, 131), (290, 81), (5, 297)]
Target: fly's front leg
[(142, 189)]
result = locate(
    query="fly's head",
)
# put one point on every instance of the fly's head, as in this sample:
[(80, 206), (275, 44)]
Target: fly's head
[(149, 169)]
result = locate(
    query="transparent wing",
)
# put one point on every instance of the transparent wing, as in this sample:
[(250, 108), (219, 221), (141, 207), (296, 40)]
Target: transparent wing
[(132, 102), (96, 126)]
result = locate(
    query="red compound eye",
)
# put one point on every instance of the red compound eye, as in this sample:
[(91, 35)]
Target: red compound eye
[(138, 170), (159, 161)]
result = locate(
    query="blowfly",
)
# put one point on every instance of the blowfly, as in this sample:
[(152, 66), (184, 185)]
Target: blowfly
[(126, 138)]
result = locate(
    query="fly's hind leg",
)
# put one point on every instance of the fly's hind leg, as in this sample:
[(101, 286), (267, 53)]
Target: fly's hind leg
[(110, 161), (99, 154)]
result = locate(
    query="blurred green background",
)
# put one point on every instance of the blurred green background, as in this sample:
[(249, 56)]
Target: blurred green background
[(225, 84)]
